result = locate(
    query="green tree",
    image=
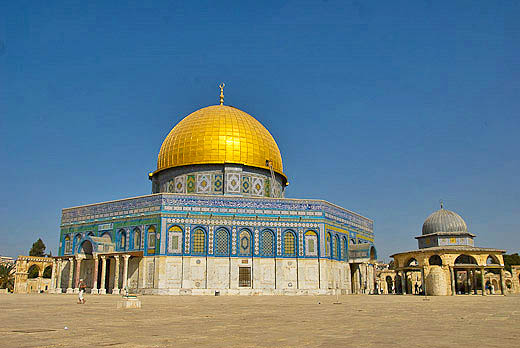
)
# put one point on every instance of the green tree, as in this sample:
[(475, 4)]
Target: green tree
[(33, 272), (7, 276), (38, 248), (47, 272), (513, 259)]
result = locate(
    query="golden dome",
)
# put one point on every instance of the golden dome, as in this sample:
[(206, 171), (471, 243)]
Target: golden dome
[(219, 134)]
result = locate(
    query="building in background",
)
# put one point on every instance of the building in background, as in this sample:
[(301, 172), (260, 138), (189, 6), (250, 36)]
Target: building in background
[(448, 263), (216, 221)]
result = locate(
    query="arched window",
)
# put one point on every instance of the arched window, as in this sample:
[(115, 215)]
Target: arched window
[(352, 240), (327, 245), (412, 263), (175, 239), (465, 260), (77, 238), (491, 260), (68, 245), (244, 241), (222, 242), (151, 237), (199, 242), (337, 253), (311, 243), (122, 240), (107, 237), (47, 272), (373, 253), (137, 238), (344, 248), (435, 260), (289, 244), (33, 272), (267, 241)]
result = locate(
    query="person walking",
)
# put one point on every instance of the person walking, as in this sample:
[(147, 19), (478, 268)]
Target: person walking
[(82, 287)]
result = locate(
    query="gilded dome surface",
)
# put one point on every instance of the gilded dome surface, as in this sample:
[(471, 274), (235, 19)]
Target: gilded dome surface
[(444, 221), (219, 134)]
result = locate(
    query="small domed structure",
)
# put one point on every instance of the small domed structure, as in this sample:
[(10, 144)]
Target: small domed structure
[(444, 221)]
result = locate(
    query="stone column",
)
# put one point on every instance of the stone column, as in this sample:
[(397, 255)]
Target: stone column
[(468, 280), (115, 290), (78, 270), (125, 272), (53, 277), (94, 276), (58, 273), (475, 281), (102, 288), (453, 288), (482, 281), (70, 290), (403, 283), (423, 281), (502, 282)]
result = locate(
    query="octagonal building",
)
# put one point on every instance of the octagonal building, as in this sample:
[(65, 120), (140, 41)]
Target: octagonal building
[(216, 222)]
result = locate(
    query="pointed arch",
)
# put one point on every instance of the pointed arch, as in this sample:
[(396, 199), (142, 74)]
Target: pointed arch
[(198, 240), (268, 243), (222, 246), (244, 242), (311, 243), (289, 243)]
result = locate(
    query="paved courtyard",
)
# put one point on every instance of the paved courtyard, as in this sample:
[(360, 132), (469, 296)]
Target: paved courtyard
[(182, 321)]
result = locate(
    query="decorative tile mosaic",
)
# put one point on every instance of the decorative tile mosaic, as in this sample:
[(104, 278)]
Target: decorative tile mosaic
[(234, 241), (190, 183), (218, 183), (257, 186), (233, 182), (246, 184), (203, 183), (180, 184)]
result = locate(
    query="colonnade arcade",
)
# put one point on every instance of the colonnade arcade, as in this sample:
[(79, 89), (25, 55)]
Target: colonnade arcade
[(447, 273), (102, 273)]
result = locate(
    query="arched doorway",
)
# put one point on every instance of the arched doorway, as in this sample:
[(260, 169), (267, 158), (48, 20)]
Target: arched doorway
[(389, 284), (465, 274), (397, 284), (33, 272), (435, 260)]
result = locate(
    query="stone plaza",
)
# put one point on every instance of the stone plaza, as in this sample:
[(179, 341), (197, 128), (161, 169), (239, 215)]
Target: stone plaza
[(261, 321)]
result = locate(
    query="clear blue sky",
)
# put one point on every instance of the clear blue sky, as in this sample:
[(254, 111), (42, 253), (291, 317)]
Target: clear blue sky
[(382, 107)]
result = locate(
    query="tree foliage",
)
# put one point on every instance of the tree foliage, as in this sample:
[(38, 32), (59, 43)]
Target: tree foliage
[(47, 272), (38, 248), (33, 272), (513, 259), (7, 276)]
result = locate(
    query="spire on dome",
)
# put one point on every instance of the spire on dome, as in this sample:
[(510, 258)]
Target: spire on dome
[(221, 86)]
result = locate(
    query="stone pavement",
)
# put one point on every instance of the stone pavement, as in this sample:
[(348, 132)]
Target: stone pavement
[(270, 321)]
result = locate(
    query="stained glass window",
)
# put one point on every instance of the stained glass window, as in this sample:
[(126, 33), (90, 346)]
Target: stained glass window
[(222, 242), (137, 238), (151, 237), (174, 239), (289, 244), (267, 243), (122, 240), (344, 249), (327, 245), (336, 247), (199, 242), (68, 245), (311, 243)]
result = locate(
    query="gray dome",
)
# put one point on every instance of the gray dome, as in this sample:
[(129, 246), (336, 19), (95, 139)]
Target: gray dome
[(444, 221)]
